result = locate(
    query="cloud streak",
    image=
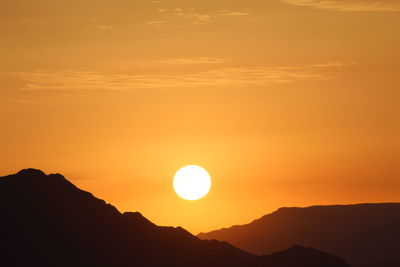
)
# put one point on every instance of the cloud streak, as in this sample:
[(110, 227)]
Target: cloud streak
[(220, 77), (193, 16), (349, 5), (190, 61)]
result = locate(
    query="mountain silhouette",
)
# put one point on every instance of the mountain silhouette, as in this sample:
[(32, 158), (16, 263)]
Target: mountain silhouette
[(47, 221), (366, 235)]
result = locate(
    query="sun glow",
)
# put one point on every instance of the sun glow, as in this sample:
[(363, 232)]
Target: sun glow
[(192, 182)]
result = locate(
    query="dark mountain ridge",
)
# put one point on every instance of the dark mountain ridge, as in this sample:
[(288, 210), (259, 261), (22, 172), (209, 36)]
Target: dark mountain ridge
[(363, 234), (47, 221)]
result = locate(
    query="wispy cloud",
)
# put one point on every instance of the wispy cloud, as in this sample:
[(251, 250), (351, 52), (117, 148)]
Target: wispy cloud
[(194, 16), (234, 13), (334, 64), (106, 27), (185, 14), (349, 5), (155, 2), (190, 61), (220, 77), (156, 22)]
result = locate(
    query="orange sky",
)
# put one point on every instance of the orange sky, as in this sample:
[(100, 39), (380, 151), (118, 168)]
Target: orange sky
[(284, 102)]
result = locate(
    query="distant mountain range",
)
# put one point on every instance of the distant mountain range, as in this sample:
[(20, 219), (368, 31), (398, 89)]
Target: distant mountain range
[(366, 235), (47, 221)]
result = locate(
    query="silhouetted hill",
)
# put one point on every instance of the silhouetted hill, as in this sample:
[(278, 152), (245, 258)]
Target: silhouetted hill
[(300, 256), (363, 234), (47, 221)]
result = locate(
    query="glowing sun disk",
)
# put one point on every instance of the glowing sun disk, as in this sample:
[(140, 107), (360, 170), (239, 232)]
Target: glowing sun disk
[(192, 182)]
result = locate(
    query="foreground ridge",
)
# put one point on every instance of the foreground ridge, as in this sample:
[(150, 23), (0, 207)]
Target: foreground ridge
[(366, 235), (48, 221)]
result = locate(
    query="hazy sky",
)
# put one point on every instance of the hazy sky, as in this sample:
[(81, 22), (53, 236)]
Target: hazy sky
[(284, 102)]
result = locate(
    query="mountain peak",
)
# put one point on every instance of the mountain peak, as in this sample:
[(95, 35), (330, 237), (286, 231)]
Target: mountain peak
[(37, 178), (30, 172)]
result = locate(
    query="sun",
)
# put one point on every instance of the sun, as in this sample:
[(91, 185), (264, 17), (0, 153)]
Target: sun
[(192, 182)]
